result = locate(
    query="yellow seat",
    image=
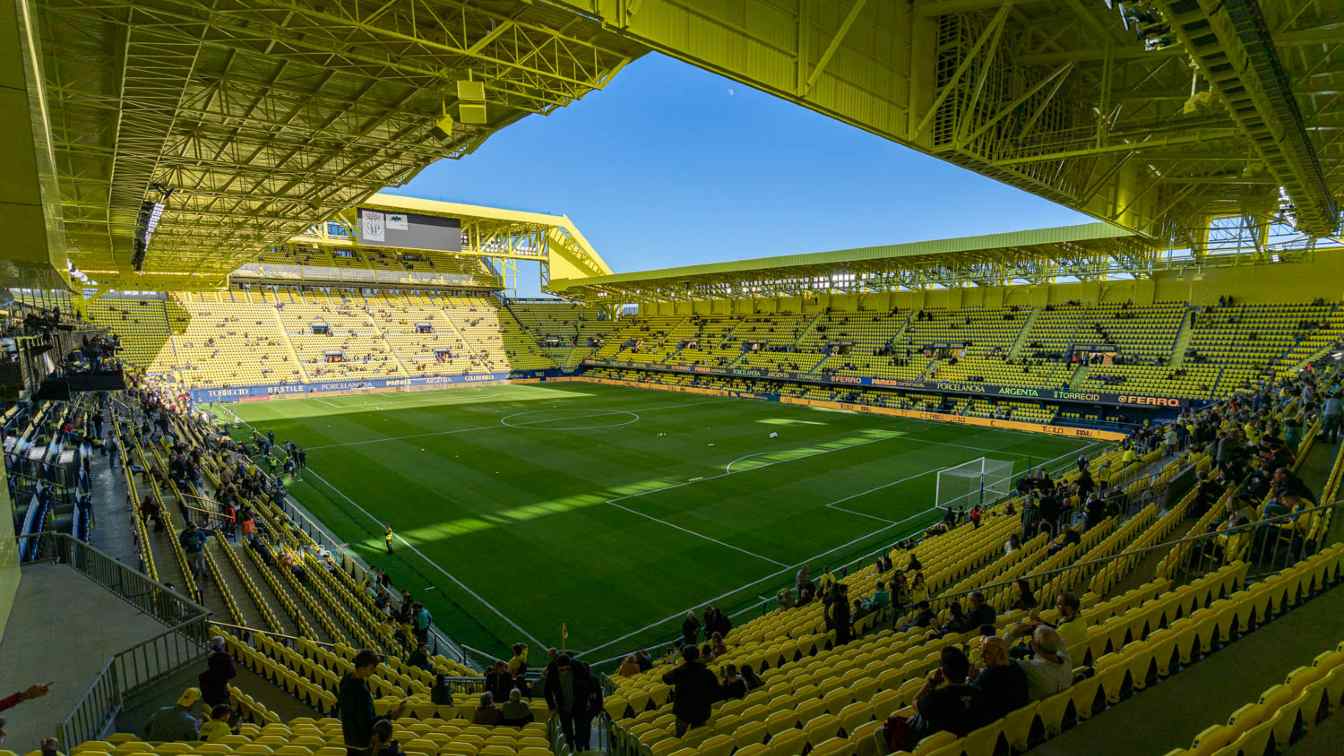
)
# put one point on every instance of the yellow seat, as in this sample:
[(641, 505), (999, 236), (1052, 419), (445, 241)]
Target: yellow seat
[(984, 741), (496, 750), (749, 733), (173, 748), (786, 743), (832, 747), (1017, 726), (94, 746), (934, 742)]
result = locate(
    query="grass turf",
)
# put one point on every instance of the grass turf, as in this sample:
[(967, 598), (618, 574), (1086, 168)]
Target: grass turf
[(613, 510)]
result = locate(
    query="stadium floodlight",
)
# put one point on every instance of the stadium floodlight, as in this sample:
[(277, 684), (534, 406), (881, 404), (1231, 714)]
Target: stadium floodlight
[(981, 481)]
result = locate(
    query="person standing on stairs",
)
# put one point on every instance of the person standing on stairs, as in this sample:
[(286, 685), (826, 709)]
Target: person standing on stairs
[(387, 537)]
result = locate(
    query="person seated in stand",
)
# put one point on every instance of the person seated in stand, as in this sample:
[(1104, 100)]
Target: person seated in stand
[(486, 713), (217, 726), (420, 658), (1002, 684), (945, 704), (923, 616), (383, 744), (442, 693), (981, 613), (1049, 669), (515, 713), (732, 686)]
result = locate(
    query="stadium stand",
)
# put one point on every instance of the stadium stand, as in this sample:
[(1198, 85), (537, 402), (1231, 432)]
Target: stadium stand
[(1175, 550)]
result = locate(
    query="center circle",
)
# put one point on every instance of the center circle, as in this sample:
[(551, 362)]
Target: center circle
[(569, 420)]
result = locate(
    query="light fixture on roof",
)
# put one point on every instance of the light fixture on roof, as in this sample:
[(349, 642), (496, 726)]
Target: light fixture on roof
[(151, 212)]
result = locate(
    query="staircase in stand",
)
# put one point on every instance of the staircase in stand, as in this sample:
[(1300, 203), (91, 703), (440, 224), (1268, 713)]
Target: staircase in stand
[(1020, 341), (289, 345)]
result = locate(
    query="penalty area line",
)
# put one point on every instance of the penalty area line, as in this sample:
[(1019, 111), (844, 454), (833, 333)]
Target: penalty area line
[(431, 562)]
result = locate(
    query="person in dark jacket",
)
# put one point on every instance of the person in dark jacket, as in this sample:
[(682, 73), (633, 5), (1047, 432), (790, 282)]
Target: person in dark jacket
[(575, 696), (219, 670), (355, 705), (690, 629), (442, 693), (694, 690)]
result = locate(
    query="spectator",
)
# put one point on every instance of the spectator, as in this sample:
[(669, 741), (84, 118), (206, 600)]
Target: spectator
[(732, 685), (421, 619), (387, 537), (573, 694), (382, 743), (695, 689), (219, 670), (176, 723), (486, 713), (498, 681), (946, 702), (515, 713), (629, 667), (690, 629), (193, 543), (442, 693), (518, 668), (49, 747), (355, 704), (1002, 684), (420, 657), (218, 725), (645, 660), (18, 697), (1024, 599), (981, 613), (1049, 670)]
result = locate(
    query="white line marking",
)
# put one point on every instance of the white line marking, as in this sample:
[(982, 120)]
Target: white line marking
[(401, 438), (543, 424), (725, 544), (430, 562), (757, 581), (384, 439), (813, 558)]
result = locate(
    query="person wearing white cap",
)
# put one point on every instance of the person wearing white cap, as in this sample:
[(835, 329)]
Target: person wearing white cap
[(176, 722)]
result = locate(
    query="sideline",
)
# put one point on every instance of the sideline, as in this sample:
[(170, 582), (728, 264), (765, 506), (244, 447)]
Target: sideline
[(808, 560), (431, 562)]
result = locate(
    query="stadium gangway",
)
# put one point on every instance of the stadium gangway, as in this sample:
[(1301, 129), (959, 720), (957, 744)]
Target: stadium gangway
[(129, 671)]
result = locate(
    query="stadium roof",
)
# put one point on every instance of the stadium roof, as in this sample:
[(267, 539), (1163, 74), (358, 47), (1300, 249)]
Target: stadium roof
[(989, 258), (233, 125)]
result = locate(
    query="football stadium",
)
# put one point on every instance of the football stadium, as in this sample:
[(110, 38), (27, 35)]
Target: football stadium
[(300, 463)]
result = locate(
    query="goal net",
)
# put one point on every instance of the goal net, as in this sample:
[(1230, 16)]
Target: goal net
[(981, 481)]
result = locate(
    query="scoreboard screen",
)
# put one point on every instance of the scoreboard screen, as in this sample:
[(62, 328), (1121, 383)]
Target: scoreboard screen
[(378, 228)]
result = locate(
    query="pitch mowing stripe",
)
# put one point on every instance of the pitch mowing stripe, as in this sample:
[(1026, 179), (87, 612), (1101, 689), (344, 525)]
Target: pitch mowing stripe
[(433, 563), (501, 424), (809, 560)]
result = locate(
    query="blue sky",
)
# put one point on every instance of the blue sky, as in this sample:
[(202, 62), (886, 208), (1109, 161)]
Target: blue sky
[(672, 165)]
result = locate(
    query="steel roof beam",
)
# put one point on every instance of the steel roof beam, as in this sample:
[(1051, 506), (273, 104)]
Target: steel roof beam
[(1231, 44)]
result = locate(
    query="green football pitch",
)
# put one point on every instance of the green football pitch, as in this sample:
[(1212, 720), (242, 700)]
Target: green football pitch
[(611, 511)]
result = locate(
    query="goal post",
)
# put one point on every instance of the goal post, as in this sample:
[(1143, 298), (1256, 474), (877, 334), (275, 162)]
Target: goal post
[(981, 481)]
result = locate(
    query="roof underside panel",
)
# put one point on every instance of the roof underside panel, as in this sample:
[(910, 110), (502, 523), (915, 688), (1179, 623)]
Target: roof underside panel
[(258, 118)]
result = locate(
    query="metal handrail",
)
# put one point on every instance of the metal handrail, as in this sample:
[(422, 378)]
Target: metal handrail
[(133, 586), (183, 643), (131, 670)]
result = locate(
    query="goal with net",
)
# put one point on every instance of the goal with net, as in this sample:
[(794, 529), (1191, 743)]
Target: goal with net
[(980, 481)]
